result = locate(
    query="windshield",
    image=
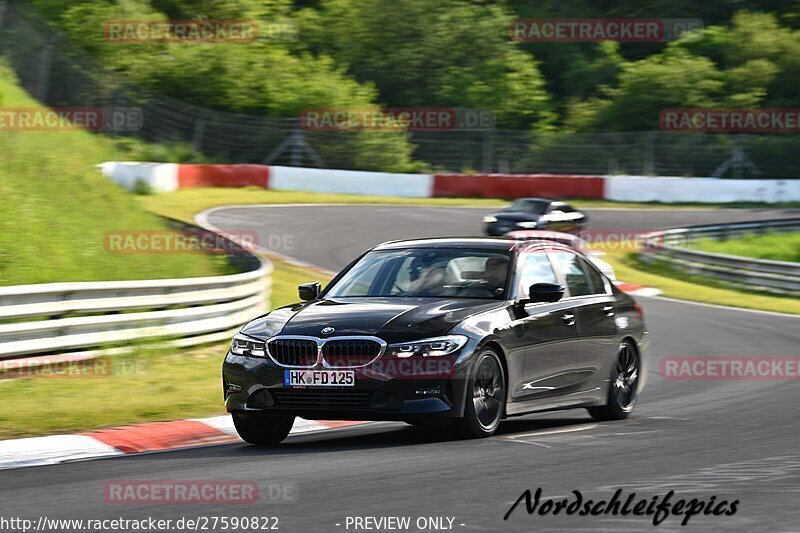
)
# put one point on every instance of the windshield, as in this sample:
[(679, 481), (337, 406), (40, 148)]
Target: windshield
[(426, 273), (528, 206)]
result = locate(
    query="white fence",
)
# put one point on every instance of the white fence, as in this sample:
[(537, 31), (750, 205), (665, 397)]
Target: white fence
[(35, 319), (701, 190)]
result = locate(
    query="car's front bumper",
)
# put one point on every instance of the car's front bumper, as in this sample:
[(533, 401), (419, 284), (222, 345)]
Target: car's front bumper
[(498, 229), (501, 227), (384, 390)]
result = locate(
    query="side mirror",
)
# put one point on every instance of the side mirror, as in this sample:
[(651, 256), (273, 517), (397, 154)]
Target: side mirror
[(545, 292), (309, 291)]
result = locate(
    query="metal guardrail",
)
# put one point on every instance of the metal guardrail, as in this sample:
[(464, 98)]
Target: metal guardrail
[(779, 277), (35, 319)]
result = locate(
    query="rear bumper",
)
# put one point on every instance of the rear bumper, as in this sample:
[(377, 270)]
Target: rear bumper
[(256, 386)]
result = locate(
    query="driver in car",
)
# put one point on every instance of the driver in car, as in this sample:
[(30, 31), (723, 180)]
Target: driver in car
[(496, 272), (428, 279)]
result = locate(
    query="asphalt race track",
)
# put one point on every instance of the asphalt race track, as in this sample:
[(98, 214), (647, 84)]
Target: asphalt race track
[(330, 236), (733, 440)]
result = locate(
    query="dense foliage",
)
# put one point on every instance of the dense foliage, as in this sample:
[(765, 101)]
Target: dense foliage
[(454, 53)]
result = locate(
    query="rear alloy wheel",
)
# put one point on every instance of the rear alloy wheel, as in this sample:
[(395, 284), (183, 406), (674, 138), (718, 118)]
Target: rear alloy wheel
[(622, 387), (486, 397), (262, 430)]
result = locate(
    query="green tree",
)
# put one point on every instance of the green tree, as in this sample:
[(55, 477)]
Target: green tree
[(673, 79), (433, 54)]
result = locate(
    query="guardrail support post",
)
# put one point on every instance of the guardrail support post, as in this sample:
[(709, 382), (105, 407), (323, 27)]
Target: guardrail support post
[(649, 154), (43, 83), (488, 152)]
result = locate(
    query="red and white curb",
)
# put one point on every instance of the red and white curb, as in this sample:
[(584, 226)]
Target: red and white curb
[(637, 290), (158, 436)]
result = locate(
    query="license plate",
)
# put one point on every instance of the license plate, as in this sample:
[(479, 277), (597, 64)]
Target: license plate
[(319, 378)]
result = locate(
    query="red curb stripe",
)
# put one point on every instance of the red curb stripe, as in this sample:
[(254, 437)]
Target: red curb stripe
[(630, 287), (518, 185), (190, 176), (627, 287), (160, 436)]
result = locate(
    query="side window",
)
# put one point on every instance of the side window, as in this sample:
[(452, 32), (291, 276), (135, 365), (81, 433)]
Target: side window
[(536, 268), (574, 273), (597, 280)]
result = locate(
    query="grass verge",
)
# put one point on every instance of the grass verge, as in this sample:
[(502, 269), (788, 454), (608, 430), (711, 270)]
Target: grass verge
[(57, 210), (771, 246), (125, 389)]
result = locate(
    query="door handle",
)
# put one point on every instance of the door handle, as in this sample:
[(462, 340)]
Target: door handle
[(609, 310), (569, 319)]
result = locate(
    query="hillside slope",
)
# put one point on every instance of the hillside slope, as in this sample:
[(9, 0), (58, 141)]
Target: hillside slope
[(56, 209)]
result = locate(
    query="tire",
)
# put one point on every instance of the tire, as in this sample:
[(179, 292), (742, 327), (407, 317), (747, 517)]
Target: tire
[(622, 387), (262, 430), (486, 397)]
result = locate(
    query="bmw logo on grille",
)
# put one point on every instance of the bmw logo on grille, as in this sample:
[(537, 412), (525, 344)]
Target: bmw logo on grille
[(327, 331)]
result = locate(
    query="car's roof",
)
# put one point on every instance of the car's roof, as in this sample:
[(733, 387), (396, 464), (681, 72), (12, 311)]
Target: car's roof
[(473, 243), (501, 244), (535, 234)]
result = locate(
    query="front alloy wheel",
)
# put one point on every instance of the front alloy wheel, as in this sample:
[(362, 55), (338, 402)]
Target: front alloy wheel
[(486, 406), (622, 387)]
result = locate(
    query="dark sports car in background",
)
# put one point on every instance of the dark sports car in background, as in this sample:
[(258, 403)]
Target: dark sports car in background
[(536, 213), (468, 330)]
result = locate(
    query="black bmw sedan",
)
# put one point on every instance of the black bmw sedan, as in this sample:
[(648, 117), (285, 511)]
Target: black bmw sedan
[(466, 331), (538, 214)]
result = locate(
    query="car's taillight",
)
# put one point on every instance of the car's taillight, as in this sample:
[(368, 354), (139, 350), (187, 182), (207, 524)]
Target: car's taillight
[(638, 308)]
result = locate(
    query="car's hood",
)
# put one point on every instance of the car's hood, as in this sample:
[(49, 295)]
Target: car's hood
[(392, 319)]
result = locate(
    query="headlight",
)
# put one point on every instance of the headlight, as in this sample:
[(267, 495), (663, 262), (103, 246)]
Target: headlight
[(527, 225), (489, 219), (242, 345), (434, 347)]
